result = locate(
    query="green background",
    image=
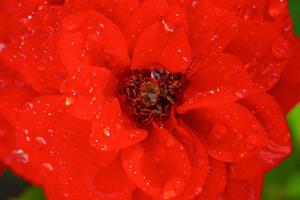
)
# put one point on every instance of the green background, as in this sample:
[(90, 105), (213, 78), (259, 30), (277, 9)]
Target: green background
[(283, 183)]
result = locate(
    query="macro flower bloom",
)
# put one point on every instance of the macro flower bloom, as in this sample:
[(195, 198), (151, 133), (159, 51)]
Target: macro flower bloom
[(146, 99)]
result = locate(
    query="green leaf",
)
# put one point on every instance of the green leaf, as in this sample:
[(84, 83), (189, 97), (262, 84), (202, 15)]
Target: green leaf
[(32, 193)]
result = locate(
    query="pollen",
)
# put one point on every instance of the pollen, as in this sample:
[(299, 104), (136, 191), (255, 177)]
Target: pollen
[(149, 95)]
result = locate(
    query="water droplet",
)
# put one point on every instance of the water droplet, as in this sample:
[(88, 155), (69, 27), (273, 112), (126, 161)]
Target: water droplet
[(169, 194), (47, 167), (219, 131), (69, 101), (106, 131), (2, 46), (40, 141), (167, 27), (277, 8), (241, 93), (103, 147), (21, 156)]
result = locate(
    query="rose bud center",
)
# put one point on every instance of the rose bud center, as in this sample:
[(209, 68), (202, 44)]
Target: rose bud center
[(149, 95)]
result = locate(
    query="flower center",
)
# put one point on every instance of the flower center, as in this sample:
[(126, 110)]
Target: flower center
[(148, 95)]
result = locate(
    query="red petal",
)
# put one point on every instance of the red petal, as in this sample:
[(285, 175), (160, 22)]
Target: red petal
[(140, 195), (88, 34), (198, 158), (202, 22), (267, 111), (87, 91), (33, 51), (222, 81), (15, 159), (289, 82), (149, 12), (243, 189), (159, 166), (13, 95), (119, 11), (164, 45), (215, 182), (230, 133), (266, 59), (113, 131), (66, 159)]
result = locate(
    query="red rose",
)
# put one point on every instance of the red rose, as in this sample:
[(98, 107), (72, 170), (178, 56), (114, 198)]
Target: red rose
[(153, 99)]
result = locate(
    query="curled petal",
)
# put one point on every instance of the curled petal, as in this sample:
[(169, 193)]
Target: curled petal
[(159, 166), (268, 113), (230, 133), (88, 34), (113, 131), (290, 80)]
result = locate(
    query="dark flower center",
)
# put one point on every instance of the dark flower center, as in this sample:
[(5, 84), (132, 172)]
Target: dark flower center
[(148, 95)]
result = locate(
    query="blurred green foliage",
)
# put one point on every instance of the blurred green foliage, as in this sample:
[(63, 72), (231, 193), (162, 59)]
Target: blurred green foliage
[(283, 183)]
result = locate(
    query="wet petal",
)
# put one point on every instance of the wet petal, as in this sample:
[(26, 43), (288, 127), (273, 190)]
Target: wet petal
[(149, 12), (11, 86), (269, 114), (215, 182), (202, 22), (88, 34), (198, 158), (112, 130), (165, 43), (265, 60), (33, 51), (243, 189), (88, 90), (159, 166), (230, 133), (222, 81)]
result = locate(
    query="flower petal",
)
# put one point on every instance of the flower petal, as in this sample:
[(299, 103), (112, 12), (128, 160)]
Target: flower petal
[(149, 12), (88, 34), (66, 160), (159, 166), (33, 51), (215, 182), (267, 111), (198, 158), (202, 22), (88, 90), (265, 60), (112, 130), (11, 86), (243, 189), (165, 43), (224, 80), (230, 133)]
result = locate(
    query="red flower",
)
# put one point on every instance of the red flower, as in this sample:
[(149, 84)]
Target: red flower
[(153, 99)]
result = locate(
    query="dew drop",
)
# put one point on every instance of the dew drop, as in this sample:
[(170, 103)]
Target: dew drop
[(21, 156), (219, 131), (167, 27), (40, 141)]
